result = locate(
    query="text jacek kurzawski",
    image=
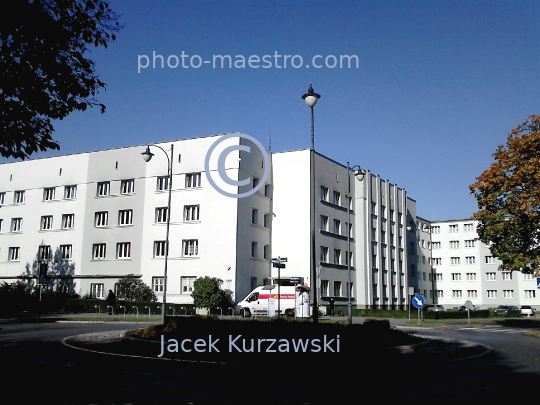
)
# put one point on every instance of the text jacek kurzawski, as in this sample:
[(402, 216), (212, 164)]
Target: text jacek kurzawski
[(239, 344)]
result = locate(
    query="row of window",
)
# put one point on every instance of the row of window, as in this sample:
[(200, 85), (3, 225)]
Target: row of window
[(337, 291), (338, 257), (336, 226), (255, 218), (97, 290), (437, 261), (65, 252), (474, 293), (49, 194), (453, 228)]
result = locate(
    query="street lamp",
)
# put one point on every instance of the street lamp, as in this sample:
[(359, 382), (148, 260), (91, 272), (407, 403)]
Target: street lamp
[(311, 99), (359, 173), (147, 156)]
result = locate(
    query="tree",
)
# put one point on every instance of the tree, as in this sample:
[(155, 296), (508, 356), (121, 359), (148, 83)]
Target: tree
[(508, 196), (207, 293), (44, 75), (131, 288)]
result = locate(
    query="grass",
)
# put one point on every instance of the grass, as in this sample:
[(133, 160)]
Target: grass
[(112, 319), (432, 323)]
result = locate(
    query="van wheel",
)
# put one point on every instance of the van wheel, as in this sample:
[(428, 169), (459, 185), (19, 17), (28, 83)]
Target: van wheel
[(246, 313), (289, 313)]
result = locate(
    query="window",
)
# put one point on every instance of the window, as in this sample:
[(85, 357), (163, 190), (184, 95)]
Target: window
[(438, 276), (324, 223), (336, 198), (468, 227), (266, 220), (266, 252), (324, 287), (97, 290), (2, 198), (530, 294), (469, 243), (103, 188), (191, 213), (324, 193), (190, 247), (456, 294), (324, 254), (454, 244), (374, 208), (255, 182), (508, 293), (337, 288), (337, 256), (44, 253), (127, 186), (255, 216), (163, 183), (19, 197), (527, 276), (435, 229), (157, 284), (490, 276), (186, 284), (161, 215), (254, 250), (1, 225), (454, 260), (351, 289), (383, 211), (436, 245), (193, 180), (101, 219), (469, 260), (16, 225), (490, 260), (456, 276), (506, 275), (472, 294), (267, 189), (98, 251), (48, 193), (471, 276), (440, 294), (14, 254), (159, 248), (437, 261), (68, 221), (125, 217), (492, 293), (70, 192), (337, 226), (123, 250), (453, 228), (350, 258), (66, 252), (46, 222)]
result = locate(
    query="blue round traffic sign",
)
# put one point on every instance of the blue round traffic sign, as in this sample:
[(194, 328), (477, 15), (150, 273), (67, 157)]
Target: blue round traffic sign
[(418, 301)]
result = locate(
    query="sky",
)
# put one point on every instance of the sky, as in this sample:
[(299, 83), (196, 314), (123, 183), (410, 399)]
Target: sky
[(433, 87)]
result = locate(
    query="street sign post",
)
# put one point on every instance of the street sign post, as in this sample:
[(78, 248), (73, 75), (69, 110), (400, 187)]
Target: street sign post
[(418, 301), (469, 305), (278, 263)]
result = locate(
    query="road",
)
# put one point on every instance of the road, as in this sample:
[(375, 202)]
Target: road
[(41, 368)]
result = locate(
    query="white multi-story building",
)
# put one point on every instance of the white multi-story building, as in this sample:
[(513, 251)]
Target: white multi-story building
[(463, 269), (95, 217)]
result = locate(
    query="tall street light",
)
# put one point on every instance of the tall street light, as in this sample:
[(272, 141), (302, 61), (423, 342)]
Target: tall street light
[(359, 174), (147, 156), (311, 99)]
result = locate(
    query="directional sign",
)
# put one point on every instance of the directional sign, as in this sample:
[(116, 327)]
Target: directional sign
[(418, 301), (279, 260), (278, 265), (537, 282)]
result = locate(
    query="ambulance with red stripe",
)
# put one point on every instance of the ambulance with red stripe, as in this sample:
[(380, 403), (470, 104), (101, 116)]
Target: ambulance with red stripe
[(261, 299)]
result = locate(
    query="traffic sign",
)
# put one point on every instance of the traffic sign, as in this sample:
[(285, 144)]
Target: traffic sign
[(279, 260), (468, 304), (537, 282), (278, 265), (418, 301)]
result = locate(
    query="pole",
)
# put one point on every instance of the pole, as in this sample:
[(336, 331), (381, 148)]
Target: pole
[(169, 169), (349, 304), (278, 287), (312, 207)]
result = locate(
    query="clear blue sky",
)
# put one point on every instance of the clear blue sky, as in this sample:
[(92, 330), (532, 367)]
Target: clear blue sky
[(438, 86)]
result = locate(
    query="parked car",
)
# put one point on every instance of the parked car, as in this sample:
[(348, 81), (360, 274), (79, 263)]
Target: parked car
[(505, 309), (527, 310), (464, 308), (434, 308)]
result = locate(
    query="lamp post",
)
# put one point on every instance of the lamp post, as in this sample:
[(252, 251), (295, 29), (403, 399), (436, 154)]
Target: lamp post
[(147, 156), (359, 174), (311, 99)]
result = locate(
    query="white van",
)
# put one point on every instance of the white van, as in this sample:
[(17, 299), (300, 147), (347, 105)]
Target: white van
[(257, 301)]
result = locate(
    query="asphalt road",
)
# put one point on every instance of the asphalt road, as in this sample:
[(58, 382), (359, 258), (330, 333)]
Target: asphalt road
[(40, 368)]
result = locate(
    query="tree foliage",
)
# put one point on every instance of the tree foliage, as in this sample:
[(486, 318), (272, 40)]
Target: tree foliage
[(207, 293), (508, 196), (44, 74), (131, 288)]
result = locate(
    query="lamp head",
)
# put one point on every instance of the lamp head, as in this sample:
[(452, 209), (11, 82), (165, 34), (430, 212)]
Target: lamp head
[(311, 97), (147, 155)]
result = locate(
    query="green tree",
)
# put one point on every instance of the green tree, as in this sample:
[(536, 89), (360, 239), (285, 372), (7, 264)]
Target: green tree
[(508, 196), (207, 293), (44, 74), (131, 288)]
